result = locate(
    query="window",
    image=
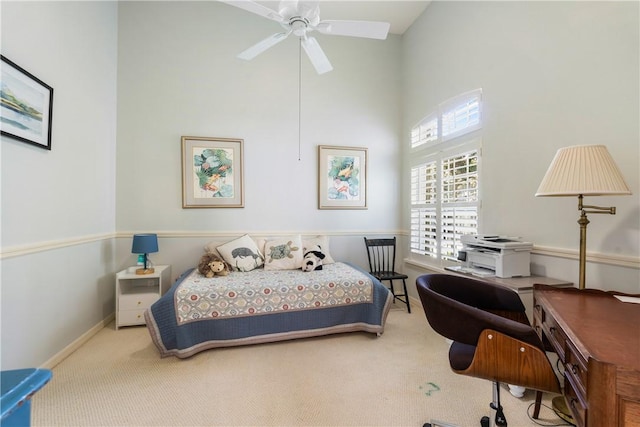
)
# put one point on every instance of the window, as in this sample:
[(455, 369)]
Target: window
[(445, 196), (426, 131), (461, 116)]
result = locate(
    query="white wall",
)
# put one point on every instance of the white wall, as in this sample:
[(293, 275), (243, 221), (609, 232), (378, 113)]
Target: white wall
[(56, 268), (178, 75), (553, 74)]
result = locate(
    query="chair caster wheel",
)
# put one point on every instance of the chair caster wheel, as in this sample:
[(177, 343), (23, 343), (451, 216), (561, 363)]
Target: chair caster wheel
[(484, 421)]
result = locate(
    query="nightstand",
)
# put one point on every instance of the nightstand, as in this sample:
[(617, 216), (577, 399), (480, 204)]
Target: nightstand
[(136, 292)]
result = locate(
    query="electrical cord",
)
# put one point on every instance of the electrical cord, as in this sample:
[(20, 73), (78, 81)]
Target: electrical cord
[(561, 423)]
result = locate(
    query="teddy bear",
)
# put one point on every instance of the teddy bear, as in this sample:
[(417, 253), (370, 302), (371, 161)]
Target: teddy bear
[(212, 265), (313, 259)]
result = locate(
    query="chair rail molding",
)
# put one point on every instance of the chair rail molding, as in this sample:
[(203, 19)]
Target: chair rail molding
[(594, 257), (32, 248)]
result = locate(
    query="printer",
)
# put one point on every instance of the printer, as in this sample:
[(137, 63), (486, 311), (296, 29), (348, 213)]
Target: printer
[(506, 256)]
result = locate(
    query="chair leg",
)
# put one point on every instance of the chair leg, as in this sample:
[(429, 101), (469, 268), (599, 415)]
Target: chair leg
[(536, 407), (393, 292), (406, 295), (500, 419)]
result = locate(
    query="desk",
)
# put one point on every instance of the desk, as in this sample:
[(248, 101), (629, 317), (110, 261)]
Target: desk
[(597, 339)]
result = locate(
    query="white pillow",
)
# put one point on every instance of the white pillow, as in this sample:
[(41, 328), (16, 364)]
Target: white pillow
[(242, 254), (283, 253), (323, 242)]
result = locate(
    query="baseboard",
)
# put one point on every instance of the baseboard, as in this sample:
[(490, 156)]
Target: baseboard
[(76, 344)]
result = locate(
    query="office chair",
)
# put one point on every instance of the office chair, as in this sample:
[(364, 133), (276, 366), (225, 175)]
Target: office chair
[(492, 337), (382, 265)]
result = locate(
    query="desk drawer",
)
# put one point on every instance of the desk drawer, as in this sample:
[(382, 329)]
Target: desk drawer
[(538, 318), (555, 335), (576, 404), (577, 368)]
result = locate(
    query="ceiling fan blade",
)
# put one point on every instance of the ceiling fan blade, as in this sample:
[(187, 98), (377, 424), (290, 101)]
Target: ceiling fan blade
[(256, 8), (367, 29), (316, 55), (263, 45)]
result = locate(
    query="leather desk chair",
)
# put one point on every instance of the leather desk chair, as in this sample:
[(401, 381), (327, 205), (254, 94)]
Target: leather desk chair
[(492, 337)]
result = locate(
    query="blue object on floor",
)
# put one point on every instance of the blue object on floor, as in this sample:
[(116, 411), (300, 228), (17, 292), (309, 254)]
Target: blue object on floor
[(18, 386)]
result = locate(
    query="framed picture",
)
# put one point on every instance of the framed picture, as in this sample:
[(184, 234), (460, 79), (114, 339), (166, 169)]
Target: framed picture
[(27, 104), (342, 177), (212, 171)]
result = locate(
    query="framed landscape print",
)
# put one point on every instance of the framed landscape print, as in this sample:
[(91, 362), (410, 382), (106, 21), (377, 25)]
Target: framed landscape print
[(342, 177), (26, 104), (212, 170)]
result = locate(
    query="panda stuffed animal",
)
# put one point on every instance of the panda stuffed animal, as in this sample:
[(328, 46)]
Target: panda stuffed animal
[(313, 259)]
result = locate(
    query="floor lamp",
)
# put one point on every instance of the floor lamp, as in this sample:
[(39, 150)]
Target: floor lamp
[(584, 170)]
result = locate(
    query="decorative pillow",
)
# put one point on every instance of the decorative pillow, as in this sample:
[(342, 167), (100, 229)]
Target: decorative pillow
[(323, 242), (283, 253), (241, 254)]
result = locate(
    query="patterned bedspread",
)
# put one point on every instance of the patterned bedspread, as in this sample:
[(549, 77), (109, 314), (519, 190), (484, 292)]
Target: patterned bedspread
[(264, 292), (263, 306)]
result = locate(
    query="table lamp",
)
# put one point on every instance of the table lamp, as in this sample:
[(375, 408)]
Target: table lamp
[(584, 170), (144, 244)]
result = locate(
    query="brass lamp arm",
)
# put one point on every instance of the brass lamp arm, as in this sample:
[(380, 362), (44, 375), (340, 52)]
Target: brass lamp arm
[(595, 209), (600, 210)]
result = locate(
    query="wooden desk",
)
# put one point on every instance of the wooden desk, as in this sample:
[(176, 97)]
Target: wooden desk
[(597, 339)]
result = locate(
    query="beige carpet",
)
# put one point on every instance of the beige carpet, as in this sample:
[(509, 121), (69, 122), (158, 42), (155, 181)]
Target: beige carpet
[(399, 379)]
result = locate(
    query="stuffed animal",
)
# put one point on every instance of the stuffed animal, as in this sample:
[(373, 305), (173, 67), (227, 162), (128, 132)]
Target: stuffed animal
[(212, 265), (313, 259)]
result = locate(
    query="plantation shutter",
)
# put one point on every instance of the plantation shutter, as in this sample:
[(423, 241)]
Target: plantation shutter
[(424, 224)]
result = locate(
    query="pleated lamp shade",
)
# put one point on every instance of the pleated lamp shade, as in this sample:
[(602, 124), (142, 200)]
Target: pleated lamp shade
[(583, 169)]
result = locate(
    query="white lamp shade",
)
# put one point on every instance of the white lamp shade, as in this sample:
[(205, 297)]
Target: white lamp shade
[(583, 169)]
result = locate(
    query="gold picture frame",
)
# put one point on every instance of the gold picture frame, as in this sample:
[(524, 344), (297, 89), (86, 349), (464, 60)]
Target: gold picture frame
[(212, 172), (342, 177)]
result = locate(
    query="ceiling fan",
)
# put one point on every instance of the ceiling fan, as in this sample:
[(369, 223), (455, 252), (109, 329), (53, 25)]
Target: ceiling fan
[(301, 18)]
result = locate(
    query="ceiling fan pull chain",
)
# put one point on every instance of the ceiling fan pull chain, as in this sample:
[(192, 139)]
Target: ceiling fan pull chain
[(299, 93)]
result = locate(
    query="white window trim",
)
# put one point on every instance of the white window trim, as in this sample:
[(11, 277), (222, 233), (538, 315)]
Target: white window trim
[(465, 144), (457, 142), (451, 103), (443, 108)]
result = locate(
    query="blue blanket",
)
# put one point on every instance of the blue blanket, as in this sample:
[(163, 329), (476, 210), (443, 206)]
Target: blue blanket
[(206, 329)]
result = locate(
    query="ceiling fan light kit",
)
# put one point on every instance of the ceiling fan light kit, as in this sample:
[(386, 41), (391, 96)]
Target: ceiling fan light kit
[(301, 18)]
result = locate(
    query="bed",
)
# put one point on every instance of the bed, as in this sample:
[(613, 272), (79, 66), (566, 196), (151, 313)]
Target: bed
[(260, 305)]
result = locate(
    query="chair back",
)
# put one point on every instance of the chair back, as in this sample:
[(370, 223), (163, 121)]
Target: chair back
[(460, 308), (381, 254)]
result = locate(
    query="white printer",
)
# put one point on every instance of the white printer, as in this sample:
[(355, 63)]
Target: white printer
[(506, 256)]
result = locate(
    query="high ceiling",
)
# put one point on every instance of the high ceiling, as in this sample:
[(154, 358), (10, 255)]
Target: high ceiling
[(399, 13)]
